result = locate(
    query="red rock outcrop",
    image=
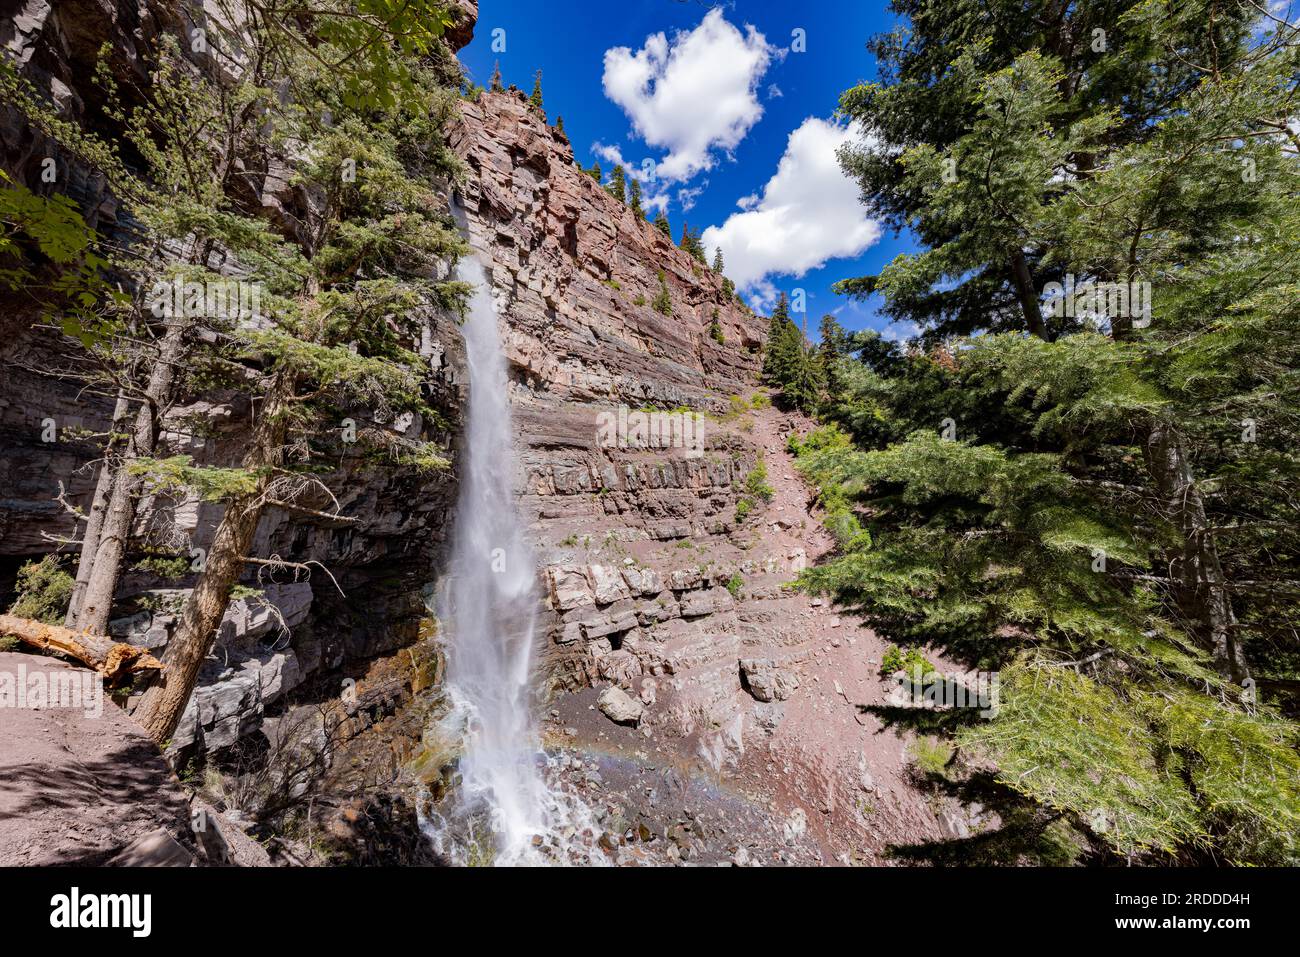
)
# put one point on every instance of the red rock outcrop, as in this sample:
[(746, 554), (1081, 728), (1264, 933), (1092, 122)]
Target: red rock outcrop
[(654, 582)]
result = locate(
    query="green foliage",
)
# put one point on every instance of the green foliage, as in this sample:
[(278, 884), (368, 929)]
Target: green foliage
[(931, 755), (756, 482), (734, 584), (911, 661), (169, 567), (377, 40), (52, 223), (788, 364), (535, 98), (1028, 503), (178, 473), (617, 186), (50, 229), (663, 301), (744, 506), (715, 328), (44, 590), (690, 242), (661, 224)]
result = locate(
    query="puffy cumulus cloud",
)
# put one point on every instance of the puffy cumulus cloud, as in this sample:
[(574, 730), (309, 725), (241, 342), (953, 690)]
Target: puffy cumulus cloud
[(809, 212), (692, 94), (687, 198)]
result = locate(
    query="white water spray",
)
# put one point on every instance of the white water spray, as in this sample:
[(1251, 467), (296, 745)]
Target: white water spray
[(490, 605)]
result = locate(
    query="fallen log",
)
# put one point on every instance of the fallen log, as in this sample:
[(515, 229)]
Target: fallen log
[(110, 658)]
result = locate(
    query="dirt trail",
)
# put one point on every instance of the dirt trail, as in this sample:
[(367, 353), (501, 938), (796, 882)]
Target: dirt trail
[(828, 776), (841, 765), (78, 785)]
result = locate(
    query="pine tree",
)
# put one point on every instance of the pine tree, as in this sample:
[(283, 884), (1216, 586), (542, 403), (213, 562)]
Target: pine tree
[(782, 340), (617, 186), (831, 352), (635, 187), (717, 260), (1038, 503), (715, 328), (690, 242), (595, 172), (535, 98), (495, 85), (559, 125), (661, 224)]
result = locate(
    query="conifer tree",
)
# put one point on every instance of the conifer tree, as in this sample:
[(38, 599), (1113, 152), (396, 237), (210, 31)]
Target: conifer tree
[(495, 85), (717, 260), (661, 223), (690, 242), (617, 186), (635, 201), (715, 328), (535, 98), (1040, 504), (834, 346)]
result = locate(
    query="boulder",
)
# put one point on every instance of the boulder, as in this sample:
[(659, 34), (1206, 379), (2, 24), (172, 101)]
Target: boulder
[(695, 604), (620, 707), (765, 680), (609, 584), (569, 587), (642, 581)]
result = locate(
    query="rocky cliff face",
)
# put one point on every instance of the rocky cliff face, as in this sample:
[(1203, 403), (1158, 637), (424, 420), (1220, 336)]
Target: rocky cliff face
[(576, 273), (655, 583)]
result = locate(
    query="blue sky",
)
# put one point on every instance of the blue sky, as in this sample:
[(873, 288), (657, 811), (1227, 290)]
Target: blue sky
[(711, 105)]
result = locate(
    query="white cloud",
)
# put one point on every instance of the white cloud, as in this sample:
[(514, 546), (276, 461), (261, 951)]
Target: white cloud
[(686, 198), (762, 296), (901, 332), (693, 94), (809, 212)]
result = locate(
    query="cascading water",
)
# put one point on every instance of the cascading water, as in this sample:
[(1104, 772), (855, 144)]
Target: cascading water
[(489, 608)]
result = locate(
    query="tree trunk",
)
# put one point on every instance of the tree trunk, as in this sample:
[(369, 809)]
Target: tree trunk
[(105, 570), (163, 703), (111, 658), (1201, 592), (1027, 294), (95, 518)]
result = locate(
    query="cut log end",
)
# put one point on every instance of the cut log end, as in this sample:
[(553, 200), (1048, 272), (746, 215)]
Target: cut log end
[(112, 659)]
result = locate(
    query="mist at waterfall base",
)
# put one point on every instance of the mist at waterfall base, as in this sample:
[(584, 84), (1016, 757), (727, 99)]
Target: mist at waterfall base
[(503, 809)]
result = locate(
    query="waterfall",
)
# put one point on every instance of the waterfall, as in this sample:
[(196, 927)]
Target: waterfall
[(490, 604)]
